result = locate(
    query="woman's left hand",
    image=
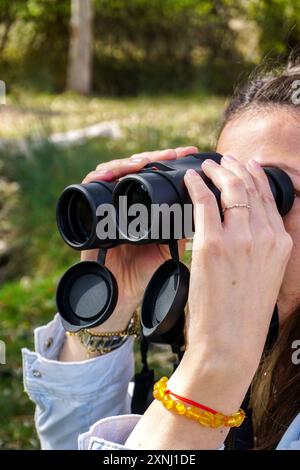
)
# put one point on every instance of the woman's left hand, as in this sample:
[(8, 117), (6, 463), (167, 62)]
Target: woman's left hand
[(237, 266)]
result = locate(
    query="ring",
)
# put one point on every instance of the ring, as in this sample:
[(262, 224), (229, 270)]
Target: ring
[(246, 206)]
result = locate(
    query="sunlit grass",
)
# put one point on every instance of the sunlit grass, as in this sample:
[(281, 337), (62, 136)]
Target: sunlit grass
[(190, 117)]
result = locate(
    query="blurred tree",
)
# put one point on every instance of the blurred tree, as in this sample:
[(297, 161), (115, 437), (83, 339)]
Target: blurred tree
[(9, 14), (35, 46), (279, 25), (140, 45), (80, 51), (155, 45)]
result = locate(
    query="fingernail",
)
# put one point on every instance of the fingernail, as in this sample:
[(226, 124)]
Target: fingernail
[(136, 160), (209, 162), (254, 165), (172, 154), (190, 173), (228, 158), (105, 173)]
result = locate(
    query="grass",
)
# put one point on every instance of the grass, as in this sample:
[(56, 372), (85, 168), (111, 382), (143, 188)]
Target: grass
[(144, 118), (39, 255)]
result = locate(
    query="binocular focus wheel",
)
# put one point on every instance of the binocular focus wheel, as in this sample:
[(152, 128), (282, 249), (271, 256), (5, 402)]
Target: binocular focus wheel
[(86, 295), (164, 301)]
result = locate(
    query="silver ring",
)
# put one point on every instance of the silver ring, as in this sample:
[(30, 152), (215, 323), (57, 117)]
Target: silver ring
[(233, 206)]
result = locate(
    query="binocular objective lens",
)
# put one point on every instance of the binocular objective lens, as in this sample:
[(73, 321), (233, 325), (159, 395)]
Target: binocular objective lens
[(80, 218)]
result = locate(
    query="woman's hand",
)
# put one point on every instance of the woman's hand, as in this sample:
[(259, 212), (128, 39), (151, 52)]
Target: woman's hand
[(131, 265), (236, 272), (237, 266)]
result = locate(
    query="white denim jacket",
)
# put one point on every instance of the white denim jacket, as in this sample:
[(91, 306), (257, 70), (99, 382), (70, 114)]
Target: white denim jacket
[(86, 404)]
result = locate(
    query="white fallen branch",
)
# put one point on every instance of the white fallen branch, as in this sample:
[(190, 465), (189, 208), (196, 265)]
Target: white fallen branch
[(108, 129)]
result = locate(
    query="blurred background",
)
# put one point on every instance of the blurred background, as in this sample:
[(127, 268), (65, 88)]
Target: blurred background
[(88, 81)]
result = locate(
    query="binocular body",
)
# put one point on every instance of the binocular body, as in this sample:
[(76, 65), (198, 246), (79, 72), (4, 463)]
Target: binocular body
[(157, 185), (88, 292)]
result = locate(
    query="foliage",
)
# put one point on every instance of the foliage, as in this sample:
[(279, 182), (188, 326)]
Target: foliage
[(145, 46), (142, 45), (138, 45), (34, 49), (279, 26)]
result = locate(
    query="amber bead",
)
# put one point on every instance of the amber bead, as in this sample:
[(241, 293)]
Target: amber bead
[(217, 421), (203, 417), (167, 401), (158, 394), (179, 407), (236, 419), (192, 412)]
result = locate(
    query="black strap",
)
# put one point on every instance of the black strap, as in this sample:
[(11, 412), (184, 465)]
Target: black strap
[(242, 438), (143, 382)]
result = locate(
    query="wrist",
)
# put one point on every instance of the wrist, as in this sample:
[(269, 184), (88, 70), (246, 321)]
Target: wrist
[(207, 379), (74, 349), (119, 319), (231, 358)]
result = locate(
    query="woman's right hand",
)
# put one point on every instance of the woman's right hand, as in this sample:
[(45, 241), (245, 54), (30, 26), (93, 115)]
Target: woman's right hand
[(131, 265)]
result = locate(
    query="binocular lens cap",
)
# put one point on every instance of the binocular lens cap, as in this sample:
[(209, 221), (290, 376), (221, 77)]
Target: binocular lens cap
[(165, 299), (86, 295)]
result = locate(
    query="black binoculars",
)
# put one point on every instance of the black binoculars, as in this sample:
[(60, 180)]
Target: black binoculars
[(103, 215)]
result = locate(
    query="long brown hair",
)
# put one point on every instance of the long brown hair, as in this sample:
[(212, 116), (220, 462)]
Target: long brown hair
[(275, 392)]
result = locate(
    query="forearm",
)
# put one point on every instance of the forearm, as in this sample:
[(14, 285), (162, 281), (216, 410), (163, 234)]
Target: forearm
[(202, 380)]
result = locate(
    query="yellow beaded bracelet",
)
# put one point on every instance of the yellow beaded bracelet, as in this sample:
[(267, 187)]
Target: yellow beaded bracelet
[(200, 413)]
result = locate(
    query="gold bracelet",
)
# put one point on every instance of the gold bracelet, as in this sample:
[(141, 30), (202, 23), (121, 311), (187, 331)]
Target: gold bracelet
[(132, 329), (104, 342), (200, 413)]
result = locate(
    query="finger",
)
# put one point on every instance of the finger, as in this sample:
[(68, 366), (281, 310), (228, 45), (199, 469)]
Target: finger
[(156, 155), (233, 191), (184, 151), (89, 255), (123, 162), (123, 166), (168, 154), (207, 218), (101, 175), (116, 169), (264, 190), (257, 212)]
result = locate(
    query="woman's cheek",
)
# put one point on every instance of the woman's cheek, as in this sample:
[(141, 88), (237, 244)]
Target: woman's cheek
[(292, 226)]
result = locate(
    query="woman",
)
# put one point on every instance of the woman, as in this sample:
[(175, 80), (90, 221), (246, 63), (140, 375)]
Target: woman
[(240, 269)]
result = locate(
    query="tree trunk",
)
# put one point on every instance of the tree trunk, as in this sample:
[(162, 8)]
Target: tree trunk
[(79, 72)]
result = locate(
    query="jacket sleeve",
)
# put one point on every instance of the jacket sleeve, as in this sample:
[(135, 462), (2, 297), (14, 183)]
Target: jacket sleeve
[(112, 434), (71, 396)]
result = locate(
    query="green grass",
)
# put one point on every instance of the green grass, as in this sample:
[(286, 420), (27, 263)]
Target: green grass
[(39, 255), (164, 119), (23, 305)]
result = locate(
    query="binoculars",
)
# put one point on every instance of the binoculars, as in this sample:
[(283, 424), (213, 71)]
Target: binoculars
[(103, 215)]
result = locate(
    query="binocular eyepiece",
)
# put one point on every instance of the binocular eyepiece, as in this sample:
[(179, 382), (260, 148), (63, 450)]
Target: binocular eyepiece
[(107, 214)]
